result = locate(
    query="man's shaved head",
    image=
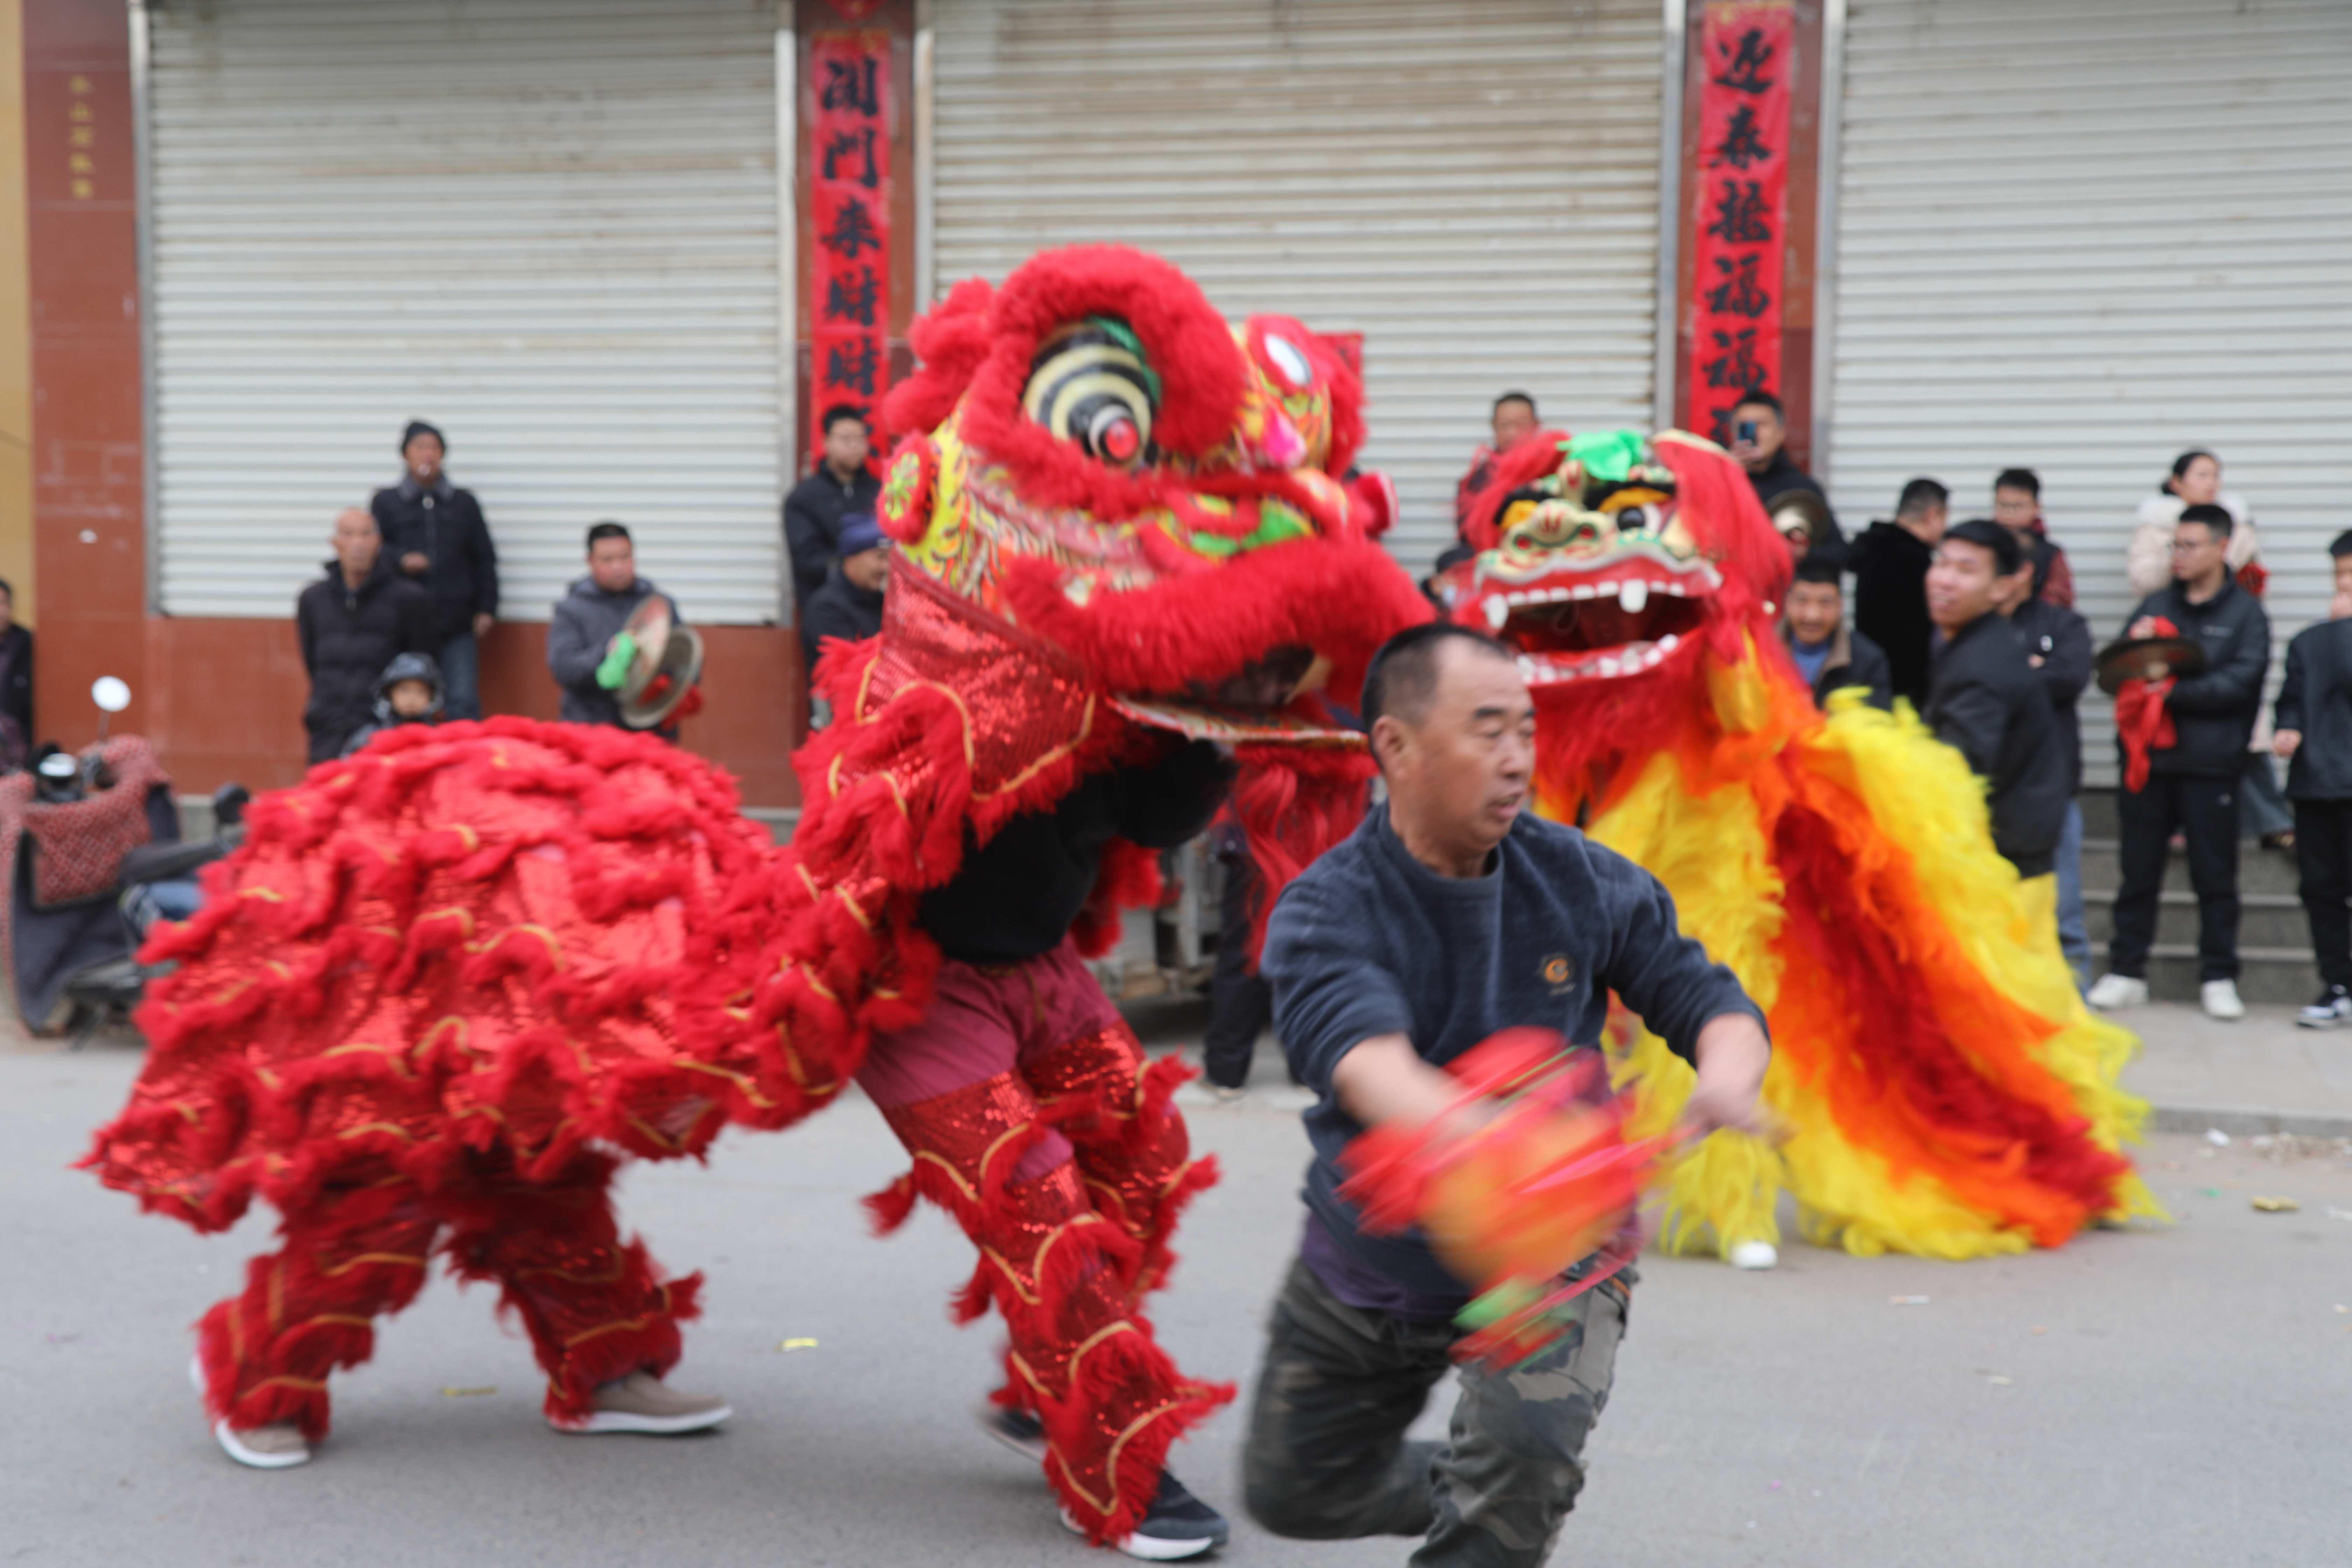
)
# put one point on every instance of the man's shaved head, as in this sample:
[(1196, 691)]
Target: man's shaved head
[(1454, 731), (1403, 676)]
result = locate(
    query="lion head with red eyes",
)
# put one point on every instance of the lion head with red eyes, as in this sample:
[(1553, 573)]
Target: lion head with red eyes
[(1091, 454)]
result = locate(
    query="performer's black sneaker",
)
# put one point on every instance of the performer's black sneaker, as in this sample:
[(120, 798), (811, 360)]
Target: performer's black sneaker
[(2333, 1007), (1019, 1430), (1176, 1526)]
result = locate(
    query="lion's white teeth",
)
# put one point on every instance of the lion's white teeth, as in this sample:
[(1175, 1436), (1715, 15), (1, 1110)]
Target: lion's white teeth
[(1498, 613), (1668, 643), (1632, 597)]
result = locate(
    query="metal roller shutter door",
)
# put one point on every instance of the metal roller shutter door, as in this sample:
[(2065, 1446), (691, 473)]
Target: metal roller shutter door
[(1473, 186), (2083, 237), (549, 225)]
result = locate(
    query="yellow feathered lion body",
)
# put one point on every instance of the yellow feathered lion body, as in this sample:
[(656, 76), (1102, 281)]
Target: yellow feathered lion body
[(1939, 1086)]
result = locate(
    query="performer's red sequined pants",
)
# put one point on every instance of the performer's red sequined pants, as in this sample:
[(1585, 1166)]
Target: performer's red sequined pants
[(1035, 1119), (595, 1307)]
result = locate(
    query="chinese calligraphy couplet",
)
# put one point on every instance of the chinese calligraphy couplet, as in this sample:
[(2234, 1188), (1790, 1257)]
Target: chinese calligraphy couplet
[(850, 206), (1741, 208)]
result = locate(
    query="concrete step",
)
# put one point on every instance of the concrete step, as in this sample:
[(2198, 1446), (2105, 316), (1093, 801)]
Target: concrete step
[(2264, 919), (2260, 870), (2267, 975)]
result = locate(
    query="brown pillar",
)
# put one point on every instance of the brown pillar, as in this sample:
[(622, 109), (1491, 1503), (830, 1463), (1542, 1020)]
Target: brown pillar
[(89, 544)]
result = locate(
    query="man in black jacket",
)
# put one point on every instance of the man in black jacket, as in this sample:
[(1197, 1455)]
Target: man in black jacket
[(2192, 783), (2315, 734), (2057, 644), (1890, 564), (438, 538), (1827, 653), (815, 511), (351, 624), (1985, 699)]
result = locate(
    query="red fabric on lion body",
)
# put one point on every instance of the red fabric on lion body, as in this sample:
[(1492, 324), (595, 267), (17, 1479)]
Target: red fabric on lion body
[(470, 958)]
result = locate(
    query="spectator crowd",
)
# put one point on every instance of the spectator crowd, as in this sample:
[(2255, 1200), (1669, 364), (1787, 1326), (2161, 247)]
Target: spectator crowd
[(1973, 624), (391, 634)]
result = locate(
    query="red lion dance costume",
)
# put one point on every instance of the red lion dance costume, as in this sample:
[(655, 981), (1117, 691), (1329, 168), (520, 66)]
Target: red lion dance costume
[(1943, 1089), (447, 983)]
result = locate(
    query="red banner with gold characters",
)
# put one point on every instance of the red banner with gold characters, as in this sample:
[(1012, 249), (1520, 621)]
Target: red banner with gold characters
[(1741, 208), (849, 208)]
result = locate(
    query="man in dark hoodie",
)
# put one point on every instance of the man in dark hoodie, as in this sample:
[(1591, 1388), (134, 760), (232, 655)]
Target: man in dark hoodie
[(351, 624), (588, 621), (1890, 564), (407, 692), (440, 541)]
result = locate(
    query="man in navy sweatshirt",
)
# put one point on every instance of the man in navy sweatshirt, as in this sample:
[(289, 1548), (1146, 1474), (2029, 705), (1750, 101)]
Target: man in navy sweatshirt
[(1451, 914)]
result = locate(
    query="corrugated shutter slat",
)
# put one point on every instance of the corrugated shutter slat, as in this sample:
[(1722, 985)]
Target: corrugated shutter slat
[(2080, 239), (548, 225), (1474, 187)]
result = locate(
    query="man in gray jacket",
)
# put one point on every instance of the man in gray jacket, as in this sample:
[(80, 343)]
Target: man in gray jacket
[(589, 617)]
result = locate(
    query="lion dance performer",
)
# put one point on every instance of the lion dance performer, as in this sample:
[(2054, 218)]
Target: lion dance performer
[(1942, 1088), (450, 982)]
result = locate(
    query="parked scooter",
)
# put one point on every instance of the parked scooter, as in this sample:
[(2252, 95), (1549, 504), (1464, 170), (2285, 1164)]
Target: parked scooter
[(158, 883), (91, 855)]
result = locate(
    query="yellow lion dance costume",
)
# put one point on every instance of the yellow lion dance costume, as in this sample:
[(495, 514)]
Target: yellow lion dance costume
[(1942, 1088)]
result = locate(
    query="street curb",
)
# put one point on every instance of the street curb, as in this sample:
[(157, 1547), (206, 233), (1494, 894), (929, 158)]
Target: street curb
[(2242, 1121)]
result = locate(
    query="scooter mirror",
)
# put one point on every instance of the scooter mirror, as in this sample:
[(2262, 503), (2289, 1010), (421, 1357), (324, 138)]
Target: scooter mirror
[(111, 694)]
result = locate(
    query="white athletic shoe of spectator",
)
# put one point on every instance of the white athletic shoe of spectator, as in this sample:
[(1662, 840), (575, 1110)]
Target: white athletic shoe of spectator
[(2111, 991), (1755, 1255), (2220, 999)]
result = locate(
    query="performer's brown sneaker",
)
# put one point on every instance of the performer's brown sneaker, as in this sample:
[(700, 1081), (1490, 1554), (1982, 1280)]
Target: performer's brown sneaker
[(643, 1402)]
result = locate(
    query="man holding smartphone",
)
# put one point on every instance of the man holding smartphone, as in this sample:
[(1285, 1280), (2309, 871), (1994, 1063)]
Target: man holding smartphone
[(1759, 433)]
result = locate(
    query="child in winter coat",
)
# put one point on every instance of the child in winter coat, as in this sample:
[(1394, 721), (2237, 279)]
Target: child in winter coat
[(407, 692)]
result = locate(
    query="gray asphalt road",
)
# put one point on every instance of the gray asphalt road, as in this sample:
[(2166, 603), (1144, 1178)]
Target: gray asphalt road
[(2173, 1396)]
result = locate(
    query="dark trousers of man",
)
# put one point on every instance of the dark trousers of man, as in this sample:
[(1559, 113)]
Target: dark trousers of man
[(2205, 812), (1241, 1004), (2322, 850), (1326, 1459)]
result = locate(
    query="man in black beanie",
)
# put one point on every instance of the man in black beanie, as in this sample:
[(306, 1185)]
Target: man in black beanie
[(438, 538)]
